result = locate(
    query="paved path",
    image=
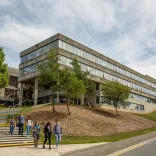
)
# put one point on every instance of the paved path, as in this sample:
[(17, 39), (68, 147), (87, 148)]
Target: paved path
[(148, 149), (30, 151), (103, 150)]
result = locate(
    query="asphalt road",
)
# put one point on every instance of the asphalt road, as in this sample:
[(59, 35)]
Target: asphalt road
[(148, 149)]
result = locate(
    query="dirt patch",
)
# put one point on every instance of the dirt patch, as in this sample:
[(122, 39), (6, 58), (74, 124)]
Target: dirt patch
[(89, 121)]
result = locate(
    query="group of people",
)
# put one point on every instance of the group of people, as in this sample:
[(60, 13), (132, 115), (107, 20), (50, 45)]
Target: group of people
[(35, 129)]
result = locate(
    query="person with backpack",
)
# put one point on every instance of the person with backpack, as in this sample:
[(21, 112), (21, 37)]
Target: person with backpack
[(36, 134), (47, 132), (57, 132), (20, 121), (12, 125)]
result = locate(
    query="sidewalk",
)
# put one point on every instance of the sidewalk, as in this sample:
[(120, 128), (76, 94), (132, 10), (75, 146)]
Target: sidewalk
[(31, 151), (103, 150)]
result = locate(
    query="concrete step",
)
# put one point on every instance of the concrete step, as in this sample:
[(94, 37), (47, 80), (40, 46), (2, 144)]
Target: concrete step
[(15, 137), (3, 121), (16, 142)]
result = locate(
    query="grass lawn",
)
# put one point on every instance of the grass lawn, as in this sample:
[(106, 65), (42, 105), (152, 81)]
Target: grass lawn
[(151, 116), (92, 139)]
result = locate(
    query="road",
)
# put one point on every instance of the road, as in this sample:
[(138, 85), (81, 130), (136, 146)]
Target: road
[(148, 149), (143, 145)]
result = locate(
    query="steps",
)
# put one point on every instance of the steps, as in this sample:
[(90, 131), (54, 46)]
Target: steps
[(15, 139)]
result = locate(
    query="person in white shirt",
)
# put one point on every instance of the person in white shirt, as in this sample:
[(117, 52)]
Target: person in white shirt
[(29, 124)]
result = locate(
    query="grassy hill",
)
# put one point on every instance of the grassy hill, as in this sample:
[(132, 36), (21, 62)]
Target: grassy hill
[(85, 121)]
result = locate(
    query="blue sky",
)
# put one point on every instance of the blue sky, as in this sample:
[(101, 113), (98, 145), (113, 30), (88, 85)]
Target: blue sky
[(124, 30)]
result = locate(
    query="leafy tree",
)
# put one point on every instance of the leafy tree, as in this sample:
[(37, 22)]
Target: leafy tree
[(71, 86), (115, 94), (49, 74), (81, 75), (4, 76)]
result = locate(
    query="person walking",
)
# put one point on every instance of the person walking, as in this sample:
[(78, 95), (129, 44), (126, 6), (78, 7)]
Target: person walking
[(12, 125), (21, 120), (47, 132), (36, 134), (57, 132), (29, 124)]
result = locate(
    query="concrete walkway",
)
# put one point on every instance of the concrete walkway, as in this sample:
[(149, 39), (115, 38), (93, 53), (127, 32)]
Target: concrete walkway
[(103, 150), (31, 151)]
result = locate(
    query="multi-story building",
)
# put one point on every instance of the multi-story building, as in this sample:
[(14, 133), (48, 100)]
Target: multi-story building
[(101, 68), (9, 95)]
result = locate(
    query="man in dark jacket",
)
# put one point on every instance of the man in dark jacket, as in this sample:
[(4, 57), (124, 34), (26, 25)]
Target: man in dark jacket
[(20, 121)]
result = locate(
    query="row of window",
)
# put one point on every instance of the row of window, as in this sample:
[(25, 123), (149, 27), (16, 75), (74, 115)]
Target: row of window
[(102, 62), (66, 61), (31, 68), (130, 105), (39, 51), (142, 98), (136, 106)]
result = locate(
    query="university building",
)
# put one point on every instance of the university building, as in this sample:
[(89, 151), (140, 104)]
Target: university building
[(143, 88), (9, 94)]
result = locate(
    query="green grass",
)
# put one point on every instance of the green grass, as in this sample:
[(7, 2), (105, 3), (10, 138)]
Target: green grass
[(151, 116), (96, 139)]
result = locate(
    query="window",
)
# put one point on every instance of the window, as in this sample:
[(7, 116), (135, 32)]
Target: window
[(64, 46), (60, 44)]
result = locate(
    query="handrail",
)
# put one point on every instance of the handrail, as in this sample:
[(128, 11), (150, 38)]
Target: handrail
[(34, 122)]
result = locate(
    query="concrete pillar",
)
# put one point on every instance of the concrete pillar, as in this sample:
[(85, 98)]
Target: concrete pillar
[(58, 98), (20, 93), (51, 99), (36, 92), (82, 100)]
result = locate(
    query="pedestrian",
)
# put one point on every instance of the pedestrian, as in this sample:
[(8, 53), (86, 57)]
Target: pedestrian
[(57, 132), (21, 120), (12, 125), (47, 132), (36, 134), (29, 124)]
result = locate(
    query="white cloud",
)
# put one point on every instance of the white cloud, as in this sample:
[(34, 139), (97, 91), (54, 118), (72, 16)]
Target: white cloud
[(121, 29)]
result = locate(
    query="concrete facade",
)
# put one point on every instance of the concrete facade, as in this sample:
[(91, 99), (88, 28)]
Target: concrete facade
[(143, 87), (9, 95)]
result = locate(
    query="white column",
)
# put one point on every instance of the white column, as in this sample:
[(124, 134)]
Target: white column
[(58, 98), (20, 93), (36, 92)]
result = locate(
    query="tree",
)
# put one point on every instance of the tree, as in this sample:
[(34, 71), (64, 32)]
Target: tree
[(49, 74), (115, 94), (81, 75), (71, 86), (4, 76)]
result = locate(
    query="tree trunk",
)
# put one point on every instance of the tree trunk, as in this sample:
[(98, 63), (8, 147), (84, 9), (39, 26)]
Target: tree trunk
[(116, 111), (68, 106), (52, 101)]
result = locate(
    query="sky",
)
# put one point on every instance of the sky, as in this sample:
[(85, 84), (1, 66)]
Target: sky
[(124, 30)]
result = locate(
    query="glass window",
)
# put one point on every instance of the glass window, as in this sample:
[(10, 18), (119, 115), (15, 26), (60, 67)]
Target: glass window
[(75, 50), (81, 53), (64, 46), (60, 44), (68, 47)]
